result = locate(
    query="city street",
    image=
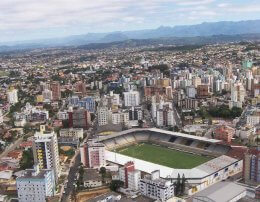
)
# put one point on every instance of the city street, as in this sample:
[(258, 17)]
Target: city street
[(71, 180)]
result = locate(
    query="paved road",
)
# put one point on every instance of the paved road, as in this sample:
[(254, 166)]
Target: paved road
[(73, 172), (71, 180), (11, 147), (177, 117)]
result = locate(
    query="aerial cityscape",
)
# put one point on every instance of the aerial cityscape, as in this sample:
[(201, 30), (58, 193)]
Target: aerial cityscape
[(130, 108)]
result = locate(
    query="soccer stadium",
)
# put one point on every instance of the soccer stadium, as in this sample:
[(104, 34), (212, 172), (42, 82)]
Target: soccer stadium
[(203, 161)]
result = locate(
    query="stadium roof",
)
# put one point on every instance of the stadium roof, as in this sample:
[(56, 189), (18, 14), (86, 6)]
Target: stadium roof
[(221, 192), (198, 172), (161, 131)]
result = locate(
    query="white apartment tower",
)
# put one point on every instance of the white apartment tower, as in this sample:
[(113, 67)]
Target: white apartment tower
[(12, 96), (45, 151), (130, 176), (131, 99), (35, 185), (238, 94), (156, 188), (1, 116), (103, 116)]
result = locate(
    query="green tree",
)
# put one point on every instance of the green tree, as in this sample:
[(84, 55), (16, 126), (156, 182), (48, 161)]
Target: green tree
[(103, 172), (140, 123), (115, 184), (183, 185), (177, 185), (27, 159)]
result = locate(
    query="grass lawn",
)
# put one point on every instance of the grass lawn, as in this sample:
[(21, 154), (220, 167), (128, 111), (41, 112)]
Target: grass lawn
[(3, 73), (163, 156)]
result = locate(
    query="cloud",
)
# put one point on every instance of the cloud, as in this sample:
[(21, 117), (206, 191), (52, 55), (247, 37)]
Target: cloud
[(28, 19)]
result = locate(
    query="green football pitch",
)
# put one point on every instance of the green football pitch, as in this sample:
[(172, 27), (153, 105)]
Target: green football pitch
[(163, 156)]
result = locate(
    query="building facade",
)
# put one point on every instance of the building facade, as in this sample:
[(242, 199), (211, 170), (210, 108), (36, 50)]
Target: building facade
[(130, 176), (251, 167), (79, 118), (156, 188), (45, 151), (12, 96), (131, 99), (35, 185), (92, 155)]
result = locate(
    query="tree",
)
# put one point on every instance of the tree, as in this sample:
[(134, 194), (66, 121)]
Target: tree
[(115, 184), (103, 172), (27, 159), (140, 123), (149, 106), (177, 186), (183, 184), (176, 129)]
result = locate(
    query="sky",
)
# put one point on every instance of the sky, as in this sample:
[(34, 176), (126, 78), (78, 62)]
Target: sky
[(39, 19)]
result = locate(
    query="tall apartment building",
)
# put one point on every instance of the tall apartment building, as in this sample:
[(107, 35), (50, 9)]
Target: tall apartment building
[(253, 118), (12, 95), (224, 133), (35, 185), (1, 116), (47, 95), (131, 99), (103, 116), (92, 155), (130, 176), (70, 136), (56, 93), (238, 94), (251, 167), (156, 188), (81, 88), (203, 91), (120, 117), (136, 113), (165, 117), (79, 118), (45, 151)]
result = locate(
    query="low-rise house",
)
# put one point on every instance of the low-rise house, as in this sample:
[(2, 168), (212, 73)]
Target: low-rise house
[(92, 178)]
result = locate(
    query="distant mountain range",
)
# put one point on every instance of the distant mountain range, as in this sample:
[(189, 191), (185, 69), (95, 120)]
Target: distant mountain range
[(188, 31)]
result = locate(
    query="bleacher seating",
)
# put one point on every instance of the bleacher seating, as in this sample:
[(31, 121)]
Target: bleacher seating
[(141, 137)]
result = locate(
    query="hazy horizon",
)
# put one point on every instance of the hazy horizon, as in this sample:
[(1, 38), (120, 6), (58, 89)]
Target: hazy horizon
[(25, 20)]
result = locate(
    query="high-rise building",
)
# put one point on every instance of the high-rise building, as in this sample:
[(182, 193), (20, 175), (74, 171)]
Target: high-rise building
[(156, 188), (92, 155), (238, 94), (202, 91), (103, 116), (79, 118), (45, 151), (12, 95), (136, 113), (251, 167), (35, 185), (81, 88), (131, 99), (196, 81), (130, 176), (1, 116), (47, 95), (56, 93), (165, 115), (224, 133)]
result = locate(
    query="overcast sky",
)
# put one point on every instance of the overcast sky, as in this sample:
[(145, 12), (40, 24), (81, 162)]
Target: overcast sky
[(34, 19)]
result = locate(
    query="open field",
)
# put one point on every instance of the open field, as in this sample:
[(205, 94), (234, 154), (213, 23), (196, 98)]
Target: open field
[(163, 156)]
